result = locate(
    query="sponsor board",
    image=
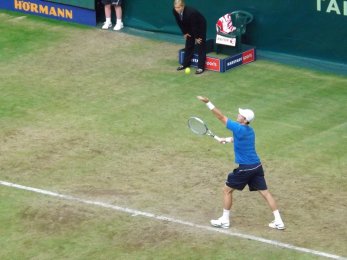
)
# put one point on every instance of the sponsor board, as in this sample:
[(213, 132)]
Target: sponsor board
[(225, 40), (225, 64), (239, 59), (211, 63), (248, 56), (88, 4), (51, 10), (233, 61)]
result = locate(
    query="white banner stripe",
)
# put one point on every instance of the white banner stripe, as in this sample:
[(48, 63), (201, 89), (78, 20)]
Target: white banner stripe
[(173, 220)]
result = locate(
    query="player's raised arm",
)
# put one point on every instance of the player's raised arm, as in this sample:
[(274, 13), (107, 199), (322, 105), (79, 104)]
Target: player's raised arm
[(214, 110)]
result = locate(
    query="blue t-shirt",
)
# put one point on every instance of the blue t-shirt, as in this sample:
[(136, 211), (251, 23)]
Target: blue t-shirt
[(244, 143)]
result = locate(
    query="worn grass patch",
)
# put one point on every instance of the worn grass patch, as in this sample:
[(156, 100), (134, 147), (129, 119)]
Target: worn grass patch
[(102, 115), (45, 228)]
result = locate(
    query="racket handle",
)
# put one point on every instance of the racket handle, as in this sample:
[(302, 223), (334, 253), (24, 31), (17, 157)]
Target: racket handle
[(217, 138)]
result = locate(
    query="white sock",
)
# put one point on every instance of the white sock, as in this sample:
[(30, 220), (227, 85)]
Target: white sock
[(108, 19), (277, 216), (226, 214), (119, 21)]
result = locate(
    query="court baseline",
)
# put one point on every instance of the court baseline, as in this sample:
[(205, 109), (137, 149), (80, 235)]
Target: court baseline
[(135, 212)]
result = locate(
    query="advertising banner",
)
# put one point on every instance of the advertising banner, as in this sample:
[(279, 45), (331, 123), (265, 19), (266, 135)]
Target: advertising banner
[(225, 40), (211, 63), (51, 10), (89, 4), (222, 64)]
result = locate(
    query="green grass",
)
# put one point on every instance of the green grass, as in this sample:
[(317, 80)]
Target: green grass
[(44, 228), (102, 115), (26, 38)]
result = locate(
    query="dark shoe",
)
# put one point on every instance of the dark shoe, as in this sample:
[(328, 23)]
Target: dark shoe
[(181, 67), (199, 71)]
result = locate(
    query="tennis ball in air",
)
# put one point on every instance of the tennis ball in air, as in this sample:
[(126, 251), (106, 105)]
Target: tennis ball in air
[(187, 71)]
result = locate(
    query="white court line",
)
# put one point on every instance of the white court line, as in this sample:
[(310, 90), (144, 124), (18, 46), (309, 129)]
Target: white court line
[(173, 220)]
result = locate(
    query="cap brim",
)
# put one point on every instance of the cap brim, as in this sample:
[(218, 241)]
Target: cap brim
[(241, 112)]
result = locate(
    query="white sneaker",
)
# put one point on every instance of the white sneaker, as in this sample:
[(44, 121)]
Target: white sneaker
[(106, 25), (118, 26), (220, 223), (275, 225)]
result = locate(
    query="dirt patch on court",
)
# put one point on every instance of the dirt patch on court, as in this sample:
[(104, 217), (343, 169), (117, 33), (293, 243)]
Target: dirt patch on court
[(102, 116)]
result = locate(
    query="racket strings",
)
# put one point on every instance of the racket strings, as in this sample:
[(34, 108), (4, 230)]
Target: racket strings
[(197, 126)]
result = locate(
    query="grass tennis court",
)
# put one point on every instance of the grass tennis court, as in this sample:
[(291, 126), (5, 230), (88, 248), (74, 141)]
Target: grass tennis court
[(102, 116)]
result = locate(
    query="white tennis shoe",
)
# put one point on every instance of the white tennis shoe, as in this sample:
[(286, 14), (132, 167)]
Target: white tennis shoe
[(220, 223), (277, 225), (118, 26), (106, 25)]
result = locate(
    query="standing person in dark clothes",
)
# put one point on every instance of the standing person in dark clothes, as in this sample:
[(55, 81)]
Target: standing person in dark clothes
[(193, 26)]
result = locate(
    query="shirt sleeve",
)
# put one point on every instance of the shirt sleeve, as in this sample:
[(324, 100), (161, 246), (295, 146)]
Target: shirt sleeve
[(232, 126), (197, 26)]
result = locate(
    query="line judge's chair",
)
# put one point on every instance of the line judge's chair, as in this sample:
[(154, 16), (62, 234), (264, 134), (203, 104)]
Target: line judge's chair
[(239, 20)]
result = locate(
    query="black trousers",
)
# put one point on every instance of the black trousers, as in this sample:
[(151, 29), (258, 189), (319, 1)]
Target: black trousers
[(189, 52)]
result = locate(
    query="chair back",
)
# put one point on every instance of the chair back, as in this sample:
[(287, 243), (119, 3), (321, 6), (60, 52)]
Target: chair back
[(240, 19)]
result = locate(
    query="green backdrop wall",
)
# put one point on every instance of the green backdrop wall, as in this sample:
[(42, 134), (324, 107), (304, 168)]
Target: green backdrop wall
[(310, 28), (89, 4)]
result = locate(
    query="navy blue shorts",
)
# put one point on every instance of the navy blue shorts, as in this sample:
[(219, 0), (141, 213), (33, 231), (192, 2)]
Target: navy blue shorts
[(251, 175), (112, 2)]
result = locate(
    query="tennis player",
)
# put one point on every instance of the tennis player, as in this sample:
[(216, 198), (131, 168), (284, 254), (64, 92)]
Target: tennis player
[(249, 171)]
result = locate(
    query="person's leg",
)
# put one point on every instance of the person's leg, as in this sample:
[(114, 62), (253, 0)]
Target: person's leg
[(258, 183), (108, 11), (202, 54), (224, 220), (107, 23), (119, 14), (188, 51), (227, 197), (235, 180), (269, 199), (227, 202), (278, 222)]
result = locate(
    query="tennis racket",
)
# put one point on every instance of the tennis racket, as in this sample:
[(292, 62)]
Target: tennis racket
[(200, 128)]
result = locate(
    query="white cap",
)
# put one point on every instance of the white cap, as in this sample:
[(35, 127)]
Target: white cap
[(247, 113)]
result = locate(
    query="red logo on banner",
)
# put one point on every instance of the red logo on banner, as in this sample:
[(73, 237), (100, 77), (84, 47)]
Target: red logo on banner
[(248, 56), (212, 64)]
